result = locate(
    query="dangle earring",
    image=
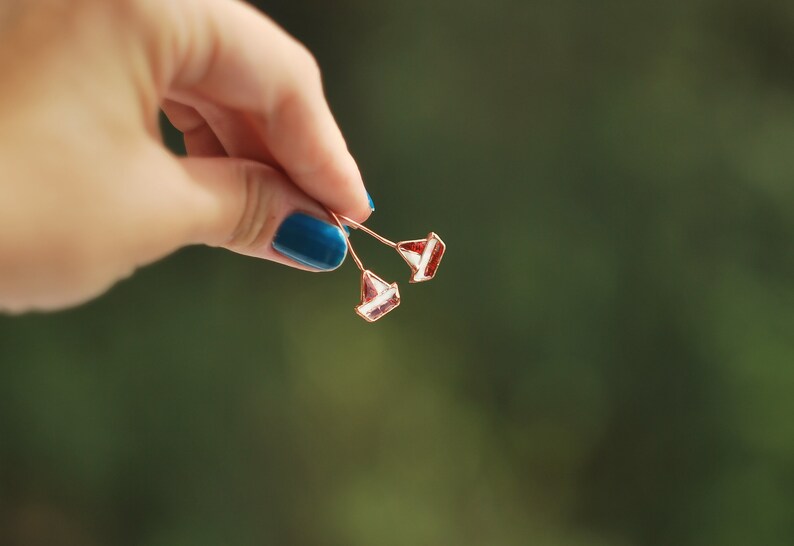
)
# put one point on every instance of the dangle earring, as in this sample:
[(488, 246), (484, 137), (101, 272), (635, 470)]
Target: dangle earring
[(422, 255), (379, 297)]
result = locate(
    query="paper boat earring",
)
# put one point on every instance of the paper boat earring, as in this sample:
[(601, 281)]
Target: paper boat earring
[(423, 255), (379, 297)]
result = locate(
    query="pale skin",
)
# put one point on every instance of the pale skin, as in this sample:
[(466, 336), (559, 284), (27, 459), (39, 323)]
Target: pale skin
[(88, 192)]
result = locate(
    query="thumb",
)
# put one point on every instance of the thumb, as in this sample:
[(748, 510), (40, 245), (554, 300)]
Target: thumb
[(253, 209)]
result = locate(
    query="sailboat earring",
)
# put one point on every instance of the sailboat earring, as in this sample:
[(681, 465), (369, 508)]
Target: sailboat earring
[(378, 297), (422, 255)]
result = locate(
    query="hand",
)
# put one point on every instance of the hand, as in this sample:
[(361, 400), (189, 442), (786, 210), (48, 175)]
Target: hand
[(88, 193)]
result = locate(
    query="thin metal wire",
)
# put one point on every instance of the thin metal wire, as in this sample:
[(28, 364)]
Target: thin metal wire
[(353, 254), (366, 230)]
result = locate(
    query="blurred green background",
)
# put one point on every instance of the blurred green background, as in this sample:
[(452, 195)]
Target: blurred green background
[(606, 357)]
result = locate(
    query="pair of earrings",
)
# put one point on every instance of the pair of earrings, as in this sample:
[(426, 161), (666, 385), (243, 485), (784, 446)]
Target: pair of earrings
[(379, 297)]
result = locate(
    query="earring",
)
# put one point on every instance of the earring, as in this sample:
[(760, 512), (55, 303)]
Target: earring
[(379, 297), (423, 255)]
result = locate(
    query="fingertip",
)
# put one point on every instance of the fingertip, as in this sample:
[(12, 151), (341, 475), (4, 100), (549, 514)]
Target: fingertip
[(350, 197), (357, 213), (358, 207)]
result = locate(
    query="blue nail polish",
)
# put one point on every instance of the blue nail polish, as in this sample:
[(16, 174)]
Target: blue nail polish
[(371, 203), (311, 242)]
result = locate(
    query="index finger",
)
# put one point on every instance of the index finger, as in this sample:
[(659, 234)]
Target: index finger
[(231, 54)]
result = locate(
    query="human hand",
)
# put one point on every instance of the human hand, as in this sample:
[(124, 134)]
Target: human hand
[(88, 193)]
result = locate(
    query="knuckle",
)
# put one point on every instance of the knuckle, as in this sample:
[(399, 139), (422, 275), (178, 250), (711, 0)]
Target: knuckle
[(256, 224)]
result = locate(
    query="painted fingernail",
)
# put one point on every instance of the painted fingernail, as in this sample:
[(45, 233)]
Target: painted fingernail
[(311, 242), (371, 203)]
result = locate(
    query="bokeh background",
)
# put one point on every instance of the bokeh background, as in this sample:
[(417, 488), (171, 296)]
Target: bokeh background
[(606, 357)]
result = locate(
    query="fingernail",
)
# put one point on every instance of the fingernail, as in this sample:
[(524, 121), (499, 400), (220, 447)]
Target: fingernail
[(371, 203), (311, 242)]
